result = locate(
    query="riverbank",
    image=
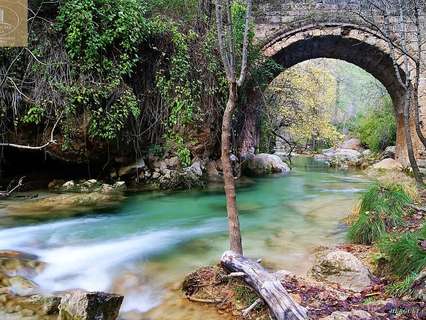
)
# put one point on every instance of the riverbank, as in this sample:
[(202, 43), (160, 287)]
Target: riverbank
[(347, 281)]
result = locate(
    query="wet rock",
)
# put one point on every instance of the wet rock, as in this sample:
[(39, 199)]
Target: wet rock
[(68, 204), (342, 268), (120, 186), (21, 286), (352, 315), (13, 263), (45, 305), (353, 144), (68, 186), (419, 286), (81, 305), (388, 164), (107, 188), (264, 163)]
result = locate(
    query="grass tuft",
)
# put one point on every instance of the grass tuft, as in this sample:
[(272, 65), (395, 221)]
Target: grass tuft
[(402, 288), (404, 252), (381, 208)]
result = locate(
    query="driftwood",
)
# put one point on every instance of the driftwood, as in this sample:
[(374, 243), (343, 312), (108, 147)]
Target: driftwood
[(10, 191), (247, 311), (267, 286)]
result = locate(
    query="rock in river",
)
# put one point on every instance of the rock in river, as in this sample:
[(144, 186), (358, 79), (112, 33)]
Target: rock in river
[(262, 164), (82, 305)]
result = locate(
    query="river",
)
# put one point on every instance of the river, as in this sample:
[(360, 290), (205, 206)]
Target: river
[(146, 245)]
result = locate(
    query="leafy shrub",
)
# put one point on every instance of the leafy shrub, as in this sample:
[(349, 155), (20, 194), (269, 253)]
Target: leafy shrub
[(377, 128), (382, 207), (404, 253)]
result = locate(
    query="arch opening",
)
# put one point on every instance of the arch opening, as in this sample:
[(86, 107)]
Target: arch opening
[(356, 46), (319, 103)]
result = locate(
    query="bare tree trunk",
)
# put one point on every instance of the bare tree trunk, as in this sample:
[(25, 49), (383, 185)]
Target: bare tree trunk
[(231, 198), (408, 141)]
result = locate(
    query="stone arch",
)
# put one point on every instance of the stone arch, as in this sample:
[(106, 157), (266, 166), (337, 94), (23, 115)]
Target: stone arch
[(351, 43)]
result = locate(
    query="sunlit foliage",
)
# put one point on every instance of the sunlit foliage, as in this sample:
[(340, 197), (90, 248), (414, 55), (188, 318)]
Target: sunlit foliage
[(300, 102)]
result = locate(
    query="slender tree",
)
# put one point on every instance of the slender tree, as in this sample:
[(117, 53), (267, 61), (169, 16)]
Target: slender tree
[(226, 39)]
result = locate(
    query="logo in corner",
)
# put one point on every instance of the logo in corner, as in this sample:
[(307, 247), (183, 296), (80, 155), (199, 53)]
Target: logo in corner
[(13, 23)]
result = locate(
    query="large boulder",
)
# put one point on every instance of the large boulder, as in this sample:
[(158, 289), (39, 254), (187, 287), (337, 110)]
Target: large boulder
[(352, 144), (342, 268), (82, 305), (262, 164), (388, 164)]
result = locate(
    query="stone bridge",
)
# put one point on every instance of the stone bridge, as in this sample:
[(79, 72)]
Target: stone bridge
[(291, 32)]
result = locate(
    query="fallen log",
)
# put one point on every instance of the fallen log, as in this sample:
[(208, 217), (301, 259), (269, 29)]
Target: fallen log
[(267, 286)]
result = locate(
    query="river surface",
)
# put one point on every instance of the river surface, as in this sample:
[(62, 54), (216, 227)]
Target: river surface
[(146, 245)]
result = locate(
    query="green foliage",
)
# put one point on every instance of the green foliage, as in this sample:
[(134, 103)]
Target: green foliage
[(244, 294), (377, 127), (178, 9), (103, 35), (404, 253), (34, 115), (300, 102), (382, 207), (403, 287), (103, 39), (106, 123), (176, 142), (180, 91)]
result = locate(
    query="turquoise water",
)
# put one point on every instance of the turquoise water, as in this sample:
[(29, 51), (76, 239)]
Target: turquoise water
[(152, 239)]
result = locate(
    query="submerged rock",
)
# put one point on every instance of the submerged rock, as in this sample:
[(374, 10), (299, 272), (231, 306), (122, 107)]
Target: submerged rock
[(262, 164), (342, 268), (21, 286), (69, 204), (82, 305)]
